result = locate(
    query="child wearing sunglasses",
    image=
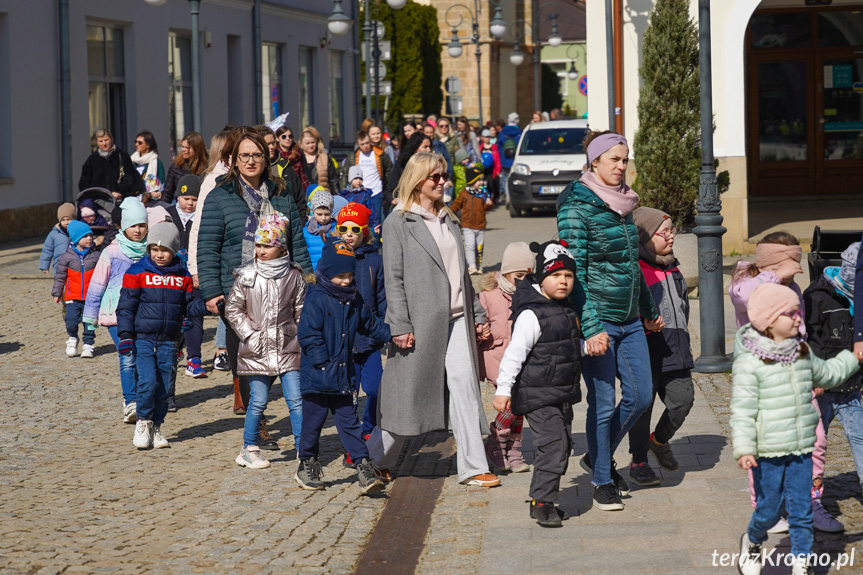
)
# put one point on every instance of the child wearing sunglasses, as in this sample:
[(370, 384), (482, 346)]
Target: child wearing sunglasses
[(356, 192), (773, 420), (353, 227)]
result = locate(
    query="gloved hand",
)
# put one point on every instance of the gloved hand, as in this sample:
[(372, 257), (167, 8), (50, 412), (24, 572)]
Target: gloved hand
[(187, 324), (125, 347)]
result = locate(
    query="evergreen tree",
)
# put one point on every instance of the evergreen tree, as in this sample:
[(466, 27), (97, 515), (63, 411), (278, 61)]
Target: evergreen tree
[(667, 146), (551, 97)]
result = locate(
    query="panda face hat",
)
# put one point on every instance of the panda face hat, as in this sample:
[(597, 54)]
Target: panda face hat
[(551, 257)]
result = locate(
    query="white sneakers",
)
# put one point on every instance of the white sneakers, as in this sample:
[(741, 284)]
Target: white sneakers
[(158, 440), (87, 350), (780, 527), (72, 347), (251, 457), (144, 434), (130, 412), (750, 556)]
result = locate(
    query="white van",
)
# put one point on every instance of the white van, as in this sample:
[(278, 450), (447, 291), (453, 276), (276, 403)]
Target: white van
[(549, 156)]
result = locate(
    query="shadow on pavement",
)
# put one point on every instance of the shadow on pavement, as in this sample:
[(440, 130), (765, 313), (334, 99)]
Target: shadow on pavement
[(10, 346)]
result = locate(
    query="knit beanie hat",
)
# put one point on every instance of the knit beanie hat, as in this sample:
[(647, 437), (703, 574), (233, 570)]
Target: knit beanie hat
[(768, 302), (486, 133), (648, 221), (189, 186), (339, 202), (77, 230), (517, 257), (66, 210), (472, 176), (134, 213), (848, 271), (353, 173), (273, 230), (163, 234), (87, 211), (460, 155), (337, 258), (321, 199), (357, 213), (512, 118), (551, 257)]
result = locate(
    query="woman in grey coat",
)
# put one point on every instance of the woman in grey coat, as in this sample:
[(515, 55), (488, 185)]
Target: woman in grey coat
[(434, 316)]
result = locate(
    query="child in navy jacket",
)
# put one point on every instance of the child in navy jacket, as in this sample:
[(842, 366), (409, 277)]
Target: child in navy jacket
[(155, 298), (333, 313)]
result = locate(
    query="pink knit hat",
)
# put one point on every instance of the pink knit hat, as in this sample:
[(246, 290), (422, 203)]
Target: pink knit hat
[(768, 302)]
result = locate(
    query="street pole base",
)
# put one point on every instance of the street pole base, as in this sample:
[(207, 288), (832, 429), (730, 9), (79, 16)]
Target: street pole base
[(713, 364)]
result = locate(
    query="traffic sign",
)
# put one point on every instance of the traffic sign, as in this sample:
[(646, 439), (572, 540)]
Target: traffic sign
[(378, 29), (386, 88), (582, 85), (382, 71), (386, 51), (453, 84)]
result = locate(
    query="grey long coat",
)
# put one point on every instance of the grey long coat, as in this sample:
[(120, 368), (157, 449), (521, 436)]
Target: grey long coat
[(412, 396)]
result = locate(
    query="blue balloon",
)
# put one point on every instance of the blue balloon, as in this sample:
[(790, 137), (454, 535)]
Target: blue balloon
[(487, 159)]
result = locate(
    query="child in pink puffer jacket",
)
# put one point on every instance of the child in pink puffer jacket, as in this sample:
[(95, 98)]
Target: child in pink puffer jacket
[(503, 445)]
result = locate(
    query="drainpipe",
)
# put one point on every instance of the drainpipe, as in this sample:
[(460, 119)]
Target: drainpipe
[(358, 96), (259, 68), (609, 58), (65, 104), (618, 65)]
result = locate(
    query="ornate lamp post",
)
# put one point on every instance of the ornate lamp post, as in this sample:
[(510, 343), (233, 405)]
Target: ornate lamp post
[(554, 39)]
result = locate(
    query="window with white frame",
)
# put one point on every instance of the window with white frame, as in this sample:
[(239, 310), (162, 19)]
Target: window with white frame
[(307, 87), (272, 81), (337, 94), (180, 91), (107, 81)]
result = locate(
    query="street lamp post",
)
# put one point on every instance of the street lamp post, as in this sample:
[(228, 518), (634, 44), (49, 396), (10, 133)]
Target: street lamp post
[(709, 229), (554, 39)]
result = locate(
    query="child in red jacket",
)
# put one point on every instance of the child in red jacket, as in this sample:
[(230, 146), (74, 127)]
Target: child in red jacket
[(71, 279)]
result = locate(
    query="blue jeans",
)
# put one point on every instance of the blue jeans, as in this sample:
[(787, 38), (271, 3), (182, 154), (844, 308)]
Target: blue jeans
[(848, 407), (785, 479), (128, 375), (370, 369), (378, 205), (74, 313), (627, 358), (259, 391), (220, 335), (155, 361)]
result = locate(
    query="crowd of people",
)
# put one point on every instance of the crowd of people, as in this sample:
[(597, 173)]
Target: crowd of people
[(316, 270)]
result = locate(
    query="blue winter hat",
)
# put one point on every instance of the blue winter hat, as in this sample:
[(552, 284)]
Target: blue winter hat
[(311, 189), (77, 230), (134, 213), (337, 258)]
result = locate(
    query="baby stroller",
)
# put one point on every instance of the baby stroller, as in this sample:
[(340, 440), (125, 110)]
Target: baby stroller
[(103, 203)]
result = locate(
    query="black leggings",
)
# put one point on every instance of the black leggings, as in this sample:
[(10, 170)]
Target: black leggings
[(232, 343)]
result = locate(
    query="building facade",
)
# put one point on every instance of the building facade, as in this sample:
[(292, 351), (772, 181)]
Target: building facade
[(787, 99), (130, 70)]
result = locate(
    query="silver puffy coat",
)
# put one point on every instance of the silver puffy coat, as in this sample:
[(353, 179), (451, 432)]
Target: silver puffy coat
[(264, 313)]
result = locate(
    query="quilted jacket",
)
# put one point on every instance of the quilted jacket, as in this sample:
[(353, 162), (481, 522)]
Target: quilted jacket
[(103, 293), (609, 284), (72, 274), (771, 404)]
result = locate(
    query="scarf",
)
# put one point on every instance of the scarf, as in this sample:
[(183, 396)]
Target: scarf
[(621, 199), (295, 162), (504, 285), (151, 158), (259, 208), (185, 217), (785, 352), (652, 257), (105, 154), (132, 250), (833, 275), (341, 293), (79, 252), (314, 228), (273, 269)]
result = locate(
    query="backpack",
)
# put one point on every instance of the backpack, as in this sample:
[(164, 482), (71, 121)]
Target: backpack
[(509, 146)]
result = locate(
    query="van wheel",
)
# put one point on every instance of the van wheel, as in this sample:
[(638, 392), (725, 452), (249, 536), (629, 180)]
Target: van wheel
[(514, 211)]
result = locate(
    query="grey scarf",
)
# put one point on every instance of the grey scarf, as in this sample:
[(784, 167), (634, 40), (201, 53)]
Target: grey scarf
[(273, 269), (104, 154), (259, 208)]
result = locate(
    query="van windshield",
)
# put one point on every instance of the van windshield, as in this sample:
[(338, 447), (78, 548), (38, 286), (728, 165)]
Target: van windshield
[(556, 141)]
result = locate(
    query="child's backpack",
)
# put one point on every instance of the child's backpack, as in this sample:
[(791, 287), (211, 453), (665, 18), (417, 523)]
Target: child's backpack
[(509, 146)]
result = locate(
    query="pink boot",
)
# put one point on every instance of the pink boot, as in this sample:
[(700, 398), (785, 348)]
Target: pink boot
[(514, 459), (495, 447)]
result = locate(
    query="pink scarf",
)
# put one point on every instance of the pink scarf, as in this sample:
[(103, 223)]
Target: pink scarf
[(621, 199)]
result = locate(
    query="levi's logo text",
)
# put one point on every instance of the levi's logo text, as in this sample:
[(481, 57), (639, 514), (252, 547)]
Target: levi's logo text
[(155, 280)]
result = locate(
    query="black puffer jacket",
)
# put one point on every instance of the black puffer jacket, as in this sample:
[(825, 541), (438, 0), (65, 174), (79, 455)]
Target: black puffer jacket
[(115, 173), (829, 327), (551, 373)]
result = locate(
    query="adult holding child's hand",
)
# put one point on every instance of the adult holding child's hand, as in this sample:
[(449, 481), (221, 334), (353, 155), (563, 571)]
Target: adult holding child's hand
[(611, 297)]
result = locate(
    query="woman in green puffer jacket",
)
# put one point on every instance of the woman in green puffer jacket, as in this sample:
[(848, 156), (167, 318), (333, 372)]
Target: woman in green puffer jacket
[(615, 307), (773, 420)]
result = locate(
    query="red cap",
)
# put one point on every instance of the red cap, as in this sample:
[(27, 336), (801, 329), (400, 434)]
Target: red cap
[(354, 212)]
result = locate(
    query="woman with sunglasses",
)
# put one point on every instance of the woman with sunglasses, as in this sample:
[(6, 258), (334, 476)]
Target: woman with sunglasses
[(192, 159), (226, 238), (435, 316), (148, 164), (418, 142), (447, 136), (289, 166)]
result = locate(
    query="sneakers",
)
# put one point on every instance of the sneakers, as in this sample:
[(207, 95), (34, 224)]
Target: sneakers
[(130, 414), (780, 527), (251, 457), (158, 440), (472, 270), (72, 347), (535, 510), (180, 355), (194, 369), (221, 363), (662, 453), (750, 557), (347, 462), (143, 438), (642, 474), (619, 482), (172, 404), (802, 566), (86, 351), (309, 474), (266, 440), (823, 521), (545, 513), (483, 480), (367, 478), (607, 497)]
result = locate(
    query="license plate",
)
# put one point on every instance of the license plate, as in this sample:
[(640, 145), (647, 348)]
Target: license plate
[(549, 190)]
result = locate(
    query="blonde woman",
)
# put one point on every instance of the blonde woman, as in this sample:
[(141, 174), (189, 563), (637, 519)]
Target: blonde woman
[(435, 317), (319, 167)]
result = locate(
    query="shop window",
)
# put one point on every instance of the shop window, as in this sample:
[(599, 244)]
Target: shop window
[(272, 81), (307, 87), (107, 81), (180, 95), (781, 30), (337, 95)]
